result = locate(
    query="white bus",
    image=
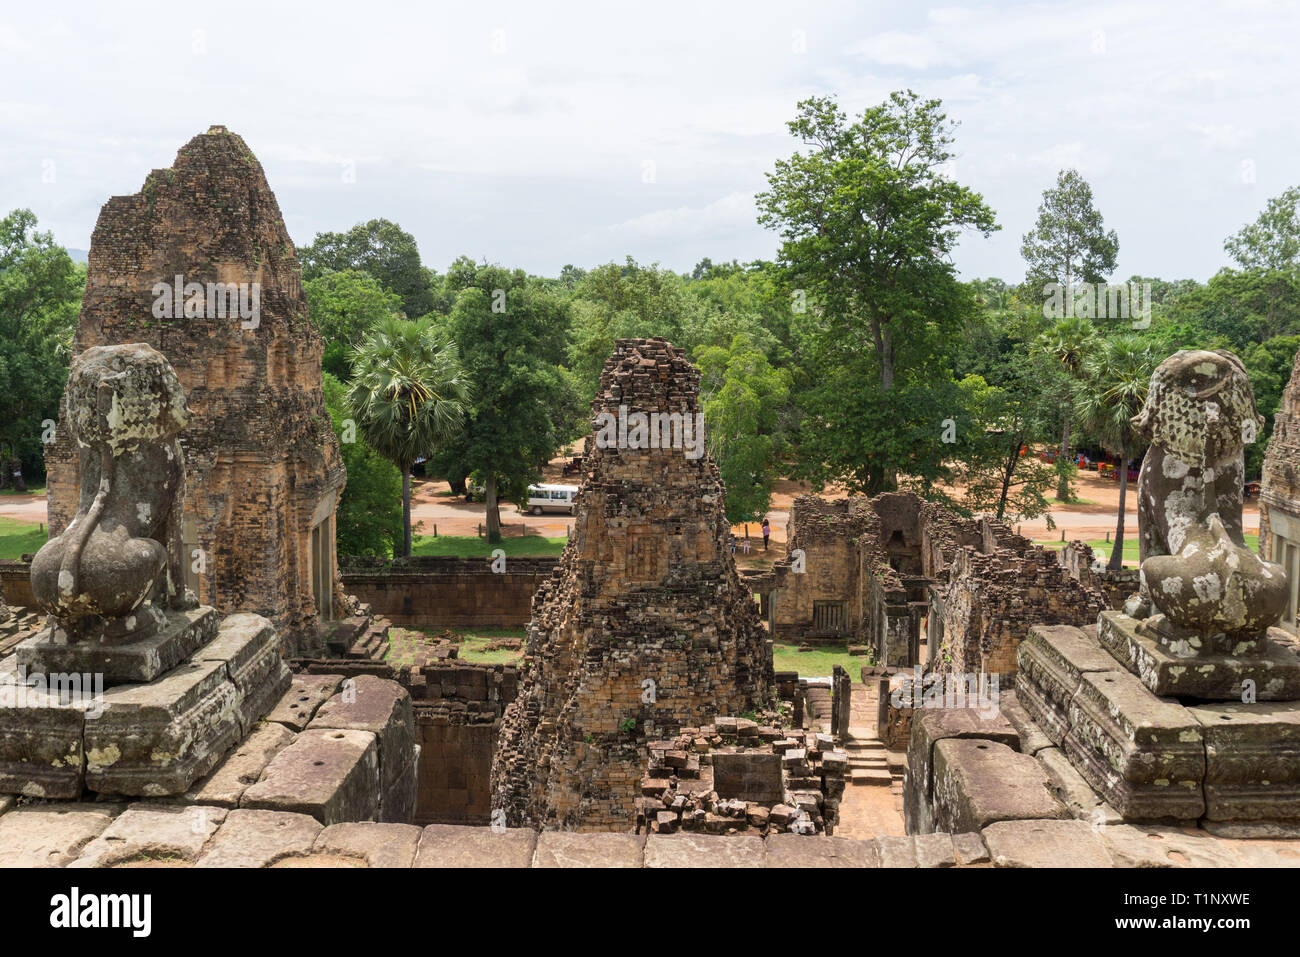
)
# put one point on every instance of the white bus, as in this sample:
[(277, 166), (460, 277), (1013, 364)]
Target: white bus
[(551, 498)]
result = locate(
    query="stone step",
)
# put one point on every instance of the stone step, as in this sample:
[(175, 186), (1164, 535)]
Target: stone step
[(873, 776)]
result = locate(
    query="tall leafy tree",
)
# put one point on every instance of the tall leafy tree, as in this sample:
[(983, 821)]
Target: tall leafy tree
[(998, 471), (344, 306), (868, 221), (1112, 390), (40, 291), (385, 251), (1068, 341), (408, 396), (513, 335), (1273, 240), (744, 399), (1069, 242), (368, 520)]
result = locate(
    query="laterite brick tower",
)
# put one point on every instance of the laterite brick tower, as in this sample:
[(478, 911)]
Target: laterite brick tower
[(263, 470), (645, 627)]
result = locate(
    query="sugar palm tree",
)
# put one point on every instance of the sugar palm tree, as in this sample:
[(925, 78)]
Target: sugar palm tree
[(408, 395), (1111, 390), (1068, 341)]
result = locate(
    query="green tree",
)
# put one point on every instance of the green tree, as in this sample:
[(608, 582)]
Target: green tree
[(1269, 365), (1068, 341), (368, 520), (1272, 242), (344, 306), (999, 423), (513, 336), (868, 223), (743, 398), (40, 291), (408, 396), (1110, 392), (1069, 242), (385, 251)]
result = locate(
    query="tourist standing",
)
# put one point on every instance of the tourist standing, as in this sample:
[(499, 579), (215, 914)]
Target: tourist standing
[(767, 532)]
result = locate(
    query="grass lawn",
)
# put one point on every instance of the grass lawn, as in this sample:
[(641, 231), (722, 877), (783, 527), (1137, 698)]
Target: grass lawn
[(31, 490), (20, 538), (471, 546), (817, 663), (472, 645), (1131, 546)]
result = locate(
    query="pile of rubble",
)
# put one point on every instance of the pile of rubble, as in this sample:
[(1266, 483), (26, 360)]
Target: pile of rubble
[(736, 776)]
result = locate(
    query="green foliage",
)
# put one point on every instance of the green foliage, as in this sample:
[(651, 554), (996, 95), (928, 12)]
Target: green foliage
[(868, 222), (1000, 422), (1068, 243), (40, 291), (1269, 365), (1272, 242), (513, 333), (743, 398), (368, 520), (408, 396), (385, 251), (344, 306)]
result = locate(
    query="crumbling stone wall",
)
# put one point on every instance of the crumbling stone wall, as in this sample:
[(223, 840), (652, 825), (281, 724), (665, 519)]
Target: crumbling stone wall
[(898, 561), (1279, 502), (450, 592), (645, 627), (262, 462)]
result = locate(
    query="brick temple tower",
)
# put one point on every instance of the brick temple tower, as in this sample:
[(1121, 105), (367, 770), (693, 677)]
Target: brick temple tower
[(199, 265), (645, 626)]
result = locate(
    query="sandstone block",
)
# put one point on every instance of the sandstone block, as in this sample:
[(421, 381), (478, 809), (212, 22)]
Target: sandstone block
[(979, 782), (153, 833), (255, 838), (566, 849), (332, 776), (454, 846), (51, 835)]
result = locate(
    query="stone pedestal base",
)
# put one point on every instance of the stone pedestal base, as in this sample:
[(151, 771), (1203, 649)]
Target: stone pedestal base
[(150, 739), (1228, 765), (1272, 668), (181, 635)]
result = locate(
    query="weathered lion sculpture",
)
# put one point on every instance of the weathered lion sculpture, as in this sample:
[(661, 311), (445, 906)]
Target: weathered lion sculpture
[(1196, 567), (118, 563)]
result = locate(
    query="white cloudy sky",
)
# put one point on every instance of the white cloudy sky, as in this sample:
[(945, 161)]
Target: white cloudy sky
[(521, 132)]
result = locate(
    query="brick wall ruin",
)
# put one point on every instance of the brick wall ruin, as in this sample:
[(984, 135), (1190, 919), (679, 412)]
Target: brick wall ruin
[(449, 592), (645, 627), (894, 569), (263, 471), (1279, 501)]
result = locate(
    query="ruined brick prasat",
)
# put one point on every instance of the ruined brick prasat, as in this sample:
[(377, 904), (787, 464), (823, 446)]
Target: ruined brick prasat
[(644, 628), (263, 468)]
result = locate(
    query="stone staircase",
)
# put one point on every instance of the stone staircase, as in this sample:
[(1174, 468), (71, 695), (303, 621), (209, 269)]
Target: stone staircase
[(870, 763)]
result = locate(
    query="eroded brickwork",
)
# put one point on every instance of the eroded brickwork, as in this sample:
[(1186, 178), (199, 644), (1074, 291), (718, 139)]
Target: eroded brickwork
[(262, 463), (645, 627)]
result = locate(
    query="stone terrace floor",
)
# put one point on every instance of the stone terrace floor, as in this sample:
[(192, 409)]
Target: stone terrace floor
[(156, 835)]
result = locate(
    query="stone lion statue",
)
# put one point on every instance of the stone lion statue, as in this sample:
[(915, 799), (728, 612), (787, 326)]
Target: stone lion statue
[(119, 562), (1197, 570)]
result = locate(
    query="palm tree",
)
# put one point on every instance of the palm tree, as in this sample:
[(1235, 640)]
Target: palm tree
[(408, 394), (1069, 342), (1111, 390)]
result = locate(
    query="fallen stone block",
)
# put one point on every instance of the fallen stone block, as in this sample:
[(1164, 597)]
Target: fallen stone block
[(380, 707), (748, 776), (929, 727), (331, 775), (979, 782)]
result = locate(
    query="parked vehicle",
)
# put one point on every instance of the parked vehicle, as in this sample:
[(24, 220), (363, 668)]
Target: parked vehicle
[(551, 498)]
